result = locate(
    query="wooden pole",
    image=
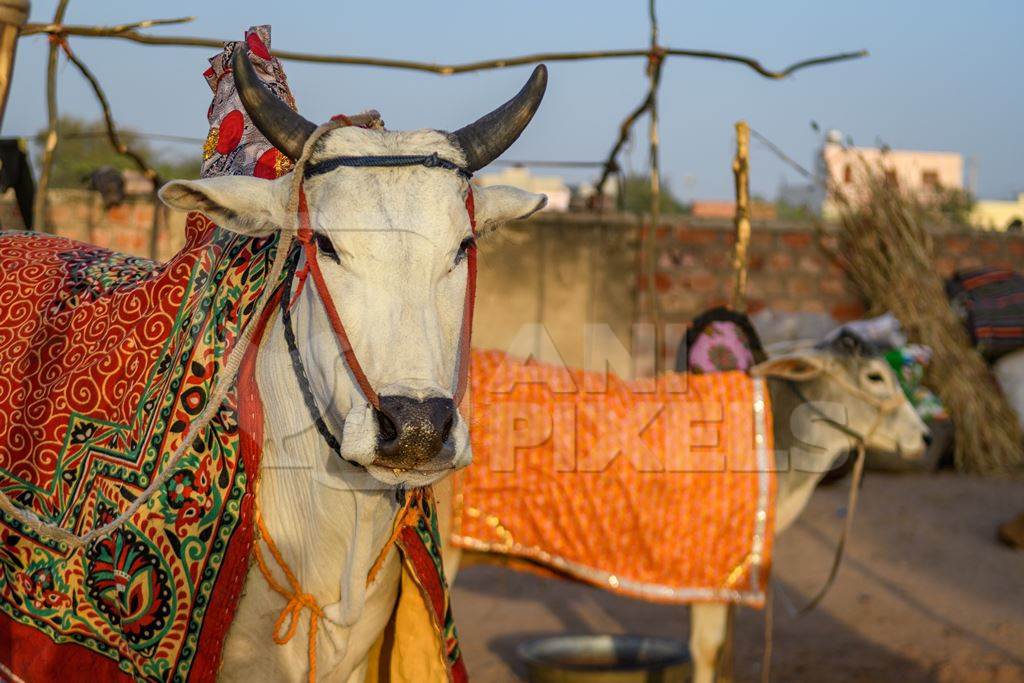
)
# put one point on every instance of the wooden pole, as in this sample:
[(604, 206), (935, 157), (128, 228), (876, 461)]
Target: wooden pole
[(39, 207), (741, 173), (654, 64), (13, 15)]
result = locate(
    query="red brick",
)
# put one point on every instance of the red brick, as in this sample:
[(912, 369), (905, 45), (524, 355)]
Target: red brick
[(755, 305), (835, 286), (957, 244), (144, 215), (701, 282), (118, 214), (762, 241), (850, 310), (802, 287), (989, 247), (780, 261), (697, 236), (796, 240), (809, 264)]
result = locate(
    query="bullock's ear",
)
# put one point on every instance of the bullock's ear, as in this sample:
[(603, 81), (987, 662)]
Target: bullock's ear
[(249, 206), (499, 204), (797, 367)]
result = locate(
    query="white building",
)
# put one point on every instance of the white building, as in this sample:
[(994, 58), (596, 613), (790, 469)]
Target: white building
[(518, 176)]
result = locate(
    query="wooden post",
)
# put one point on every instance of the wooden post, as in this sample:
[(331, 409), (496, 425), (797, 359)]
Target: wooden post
[(50, 146), (741, 172), (13, 15), (654, 64)]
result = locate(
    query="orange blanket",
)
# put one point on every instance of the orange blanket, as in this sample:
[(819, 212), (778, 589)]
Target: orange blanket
[(659, 490)]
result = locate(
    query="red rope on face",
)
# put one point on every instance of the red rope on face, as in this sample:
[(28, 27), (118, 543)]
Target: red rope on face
[(305, 237), (309, 245), (466, 333)]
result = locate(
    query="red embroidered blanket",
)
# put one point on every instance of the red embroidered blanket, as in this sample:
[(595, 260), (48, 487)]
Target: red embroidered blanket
[(105, 361)]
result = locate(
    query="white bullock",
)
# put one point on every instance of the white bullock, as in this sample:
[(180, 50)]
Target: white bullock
[(812, 392), (392, 245)]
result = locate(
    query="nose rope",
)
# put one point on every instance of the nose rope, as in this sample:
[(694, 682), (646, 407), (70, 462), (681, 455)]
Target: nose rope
[(307, 244)]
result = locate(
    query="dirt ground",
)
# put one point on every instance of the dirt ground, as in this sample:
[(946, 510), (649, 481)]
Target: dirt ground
[(925, 594)]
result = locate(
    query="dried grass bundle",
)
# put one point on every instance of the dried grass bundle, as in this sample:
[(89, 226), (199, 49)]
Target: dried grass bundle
[(888, 254)]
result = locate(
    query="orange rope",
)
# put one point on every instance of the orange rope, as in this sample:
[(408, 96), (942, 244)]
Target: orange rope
[(298, 600), (405, 517)]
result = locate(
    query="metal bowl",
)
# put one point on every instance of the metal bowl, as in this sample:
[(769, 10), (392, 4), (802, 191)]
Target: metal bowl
[(605, 659)]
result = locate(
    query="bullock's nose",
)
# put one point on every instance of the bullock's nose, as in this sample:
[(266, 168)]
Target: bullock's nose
[(411, 431)]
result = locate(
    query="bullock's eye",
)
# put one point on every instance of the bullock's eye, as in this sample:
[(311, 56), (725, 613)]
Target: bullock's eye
[(326, 247), (464, 248), (875, 377)]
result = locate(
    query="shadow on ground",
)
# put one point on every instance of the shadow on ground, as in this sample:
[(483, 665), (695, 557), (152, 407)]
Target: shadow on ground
[(925, 595)]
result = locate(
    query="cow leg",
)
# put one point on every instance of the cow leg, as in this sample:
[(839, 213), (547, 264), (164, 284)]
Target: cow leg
[(708, 625)]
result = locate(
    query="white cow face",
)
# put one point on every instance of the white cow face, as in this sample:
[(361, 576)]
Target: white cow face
[(392, 246), (850, 383)]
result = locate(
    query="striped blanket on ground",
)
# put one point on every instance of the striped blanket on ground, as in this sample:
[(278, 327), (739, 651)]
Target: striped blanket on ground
[(991, 302), (658, 490)]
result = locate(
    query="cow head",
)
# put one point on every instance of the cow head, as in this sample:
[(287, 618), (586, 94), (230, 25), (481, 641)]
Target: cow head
[(844, 381), (392, 246)]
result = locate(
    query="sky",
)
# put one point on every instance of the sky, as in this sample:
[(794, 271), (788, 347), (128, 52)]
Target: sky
[(941, 76)]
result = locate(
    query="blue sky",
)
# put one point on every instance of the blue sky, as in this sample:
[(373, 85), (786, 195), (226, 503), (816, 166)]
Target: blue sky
[(941, 76)]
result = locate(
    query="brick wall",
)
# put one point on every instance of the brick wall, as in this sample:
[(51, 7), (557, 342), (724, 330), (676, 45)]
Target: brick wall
[(79, 215), (568, 270)]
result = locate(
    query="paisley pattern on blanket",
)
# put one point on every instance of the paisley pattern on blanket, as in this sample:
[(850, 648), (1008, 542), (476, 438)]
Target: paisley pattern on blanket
[(105, 361)]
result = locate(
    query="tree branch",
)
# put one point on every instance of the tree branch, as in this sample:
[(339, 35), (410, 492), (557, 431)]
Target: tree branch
[(115, 138), (128, 32)]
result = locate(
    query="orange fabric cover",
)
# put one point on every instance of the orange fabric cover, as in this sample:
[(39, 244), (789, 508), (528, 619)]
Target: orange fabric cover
[(662, 491)]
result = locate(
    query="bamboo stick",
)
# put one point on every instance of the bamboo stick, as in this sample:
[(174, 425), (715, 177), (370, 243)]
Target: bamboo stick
[(46, 167), (13, 14), (741, 174), (654, 65)]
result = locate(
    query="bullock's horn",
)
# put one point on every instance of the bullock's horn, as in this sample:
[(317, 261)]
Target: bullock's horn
[(286, 129), (486, 139)]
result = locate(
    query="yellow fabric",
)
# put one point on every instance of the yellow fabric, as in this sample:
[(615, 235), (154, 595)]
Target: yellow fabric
[(410, 643)]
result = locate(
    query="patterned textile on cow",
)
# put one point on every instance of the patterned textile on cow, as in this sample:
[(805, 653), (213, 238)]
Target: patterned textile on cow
[(659, 490), (106, 361)]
